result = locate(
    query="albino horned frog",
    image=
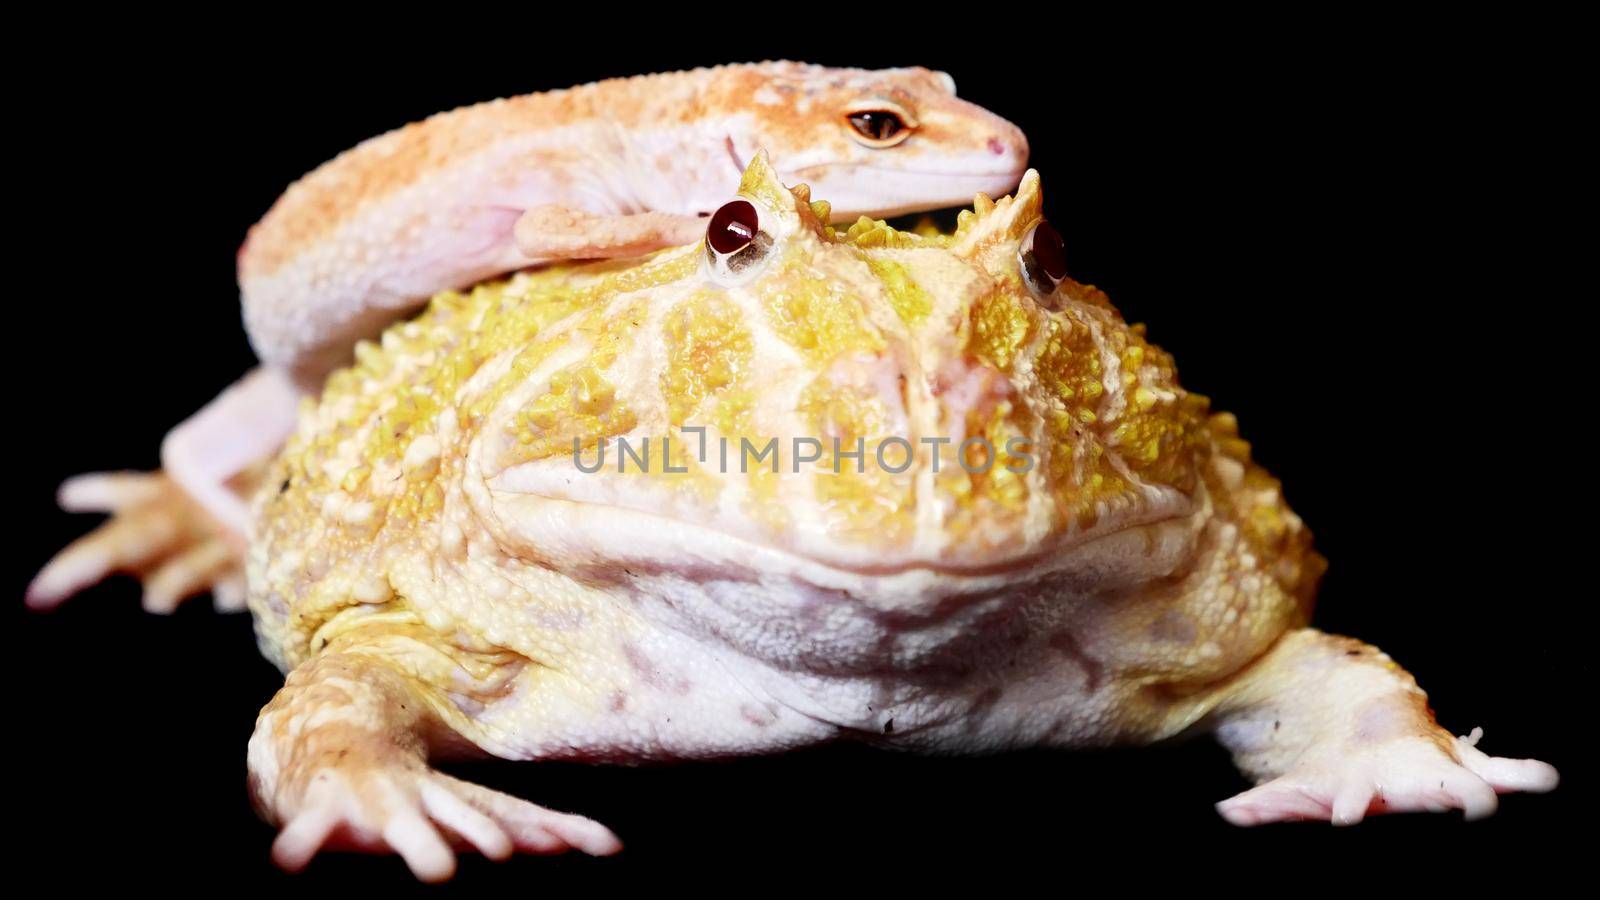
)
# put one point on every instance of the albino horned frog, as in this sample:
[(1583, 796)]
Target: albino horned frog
[(785, 485)]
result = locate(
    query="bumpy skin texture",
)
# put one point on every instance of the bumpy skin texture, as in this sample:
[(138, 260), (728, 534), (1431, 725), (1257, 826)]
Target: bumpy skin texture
[(436, 572), (436, 205)]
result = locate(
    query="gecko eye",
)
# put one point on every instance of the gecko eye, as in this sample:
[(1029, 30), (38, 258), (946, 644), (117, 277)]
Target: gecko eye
[(1043, 257), (878, 128), (734, 239)]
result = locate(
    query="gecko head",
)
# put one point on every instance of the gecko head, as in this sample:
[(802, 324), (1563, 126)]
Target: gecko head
[(885, 142)]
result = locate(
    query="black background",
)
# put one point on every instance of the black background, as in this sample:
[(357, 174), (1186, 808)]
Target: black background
[(1328, 223)]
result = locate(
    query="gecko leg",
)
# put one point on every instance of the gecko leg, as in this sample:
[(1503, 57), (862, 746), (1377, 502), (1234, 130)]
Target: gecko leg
[(243, 426), (181, 530), (547, 233), (1332, 729), (339, 760), (155, 532)]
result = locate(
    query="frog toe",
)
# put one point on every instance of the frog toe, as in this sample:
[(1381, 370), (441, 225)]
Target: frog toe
[(533, 828), (1529, 776), (1413, 774), (424, 816)]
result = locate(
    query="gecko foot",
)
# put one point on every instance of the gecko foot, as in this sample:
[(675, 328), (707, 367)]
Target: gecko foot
[(155, 532), (421, 814), (1404, 774)]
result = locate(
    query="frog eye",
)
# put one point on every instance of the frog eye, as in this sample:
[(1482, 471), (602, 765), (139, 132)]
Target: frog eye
[(878, 126), (1043, 257), (735, 241), (732, 227)]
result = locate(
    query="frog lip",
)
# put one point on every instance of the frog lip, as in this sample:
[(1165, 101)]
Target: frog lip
[(642, 535), (677, 560)]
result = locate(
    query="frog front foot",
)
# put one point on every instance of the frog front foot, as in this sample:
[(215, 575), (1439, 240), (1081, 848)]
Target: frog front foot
[(339, 761), (155, 533), (1410, 774), (1333, 730), (422, 814)]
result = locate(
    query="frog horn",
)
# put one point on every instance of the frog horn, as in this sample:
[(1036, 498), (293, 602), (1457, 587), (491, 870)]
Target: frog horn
[(762, 185), (994, 221)]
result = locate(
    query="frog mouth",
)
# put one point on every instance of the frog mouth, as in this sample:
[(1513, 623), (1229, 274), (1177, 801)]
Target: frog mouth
[(590, 518)]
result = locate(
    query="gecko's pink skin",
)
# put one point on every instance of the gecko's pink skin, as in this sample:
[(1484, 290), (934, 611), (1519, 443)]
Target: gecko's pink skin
[(241, 427), (435, 205)]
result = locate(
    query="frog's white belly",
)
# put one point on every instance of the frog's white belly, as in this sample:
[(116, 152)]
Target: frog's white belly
[(741, 650)]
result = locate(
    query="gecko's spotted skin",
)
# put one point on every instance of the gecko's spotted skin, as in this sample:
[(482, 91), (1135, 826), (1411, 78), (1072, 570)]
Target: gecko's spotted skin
[(614, 169), (609, 169), (435, 571)]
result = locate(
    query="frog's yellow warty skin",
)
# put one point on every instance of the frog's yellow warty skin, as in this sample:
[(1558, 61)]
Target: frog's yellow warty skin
[(609, 169), (863, 335), (430, 558)]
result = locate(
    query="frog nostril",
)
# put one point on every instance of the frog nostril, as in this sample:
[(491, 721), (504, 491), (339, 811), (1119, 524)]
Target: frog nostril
[(997, 148)]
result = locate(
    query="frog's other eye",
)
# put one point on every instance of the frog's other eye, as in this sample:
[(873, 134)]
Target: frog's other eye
[(734, 239), (1044, 258), (878, 127)]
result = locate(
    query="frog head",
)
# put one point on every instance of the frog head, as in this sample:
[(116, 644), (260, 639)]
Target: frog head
[(866, 399), (885, 141)]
